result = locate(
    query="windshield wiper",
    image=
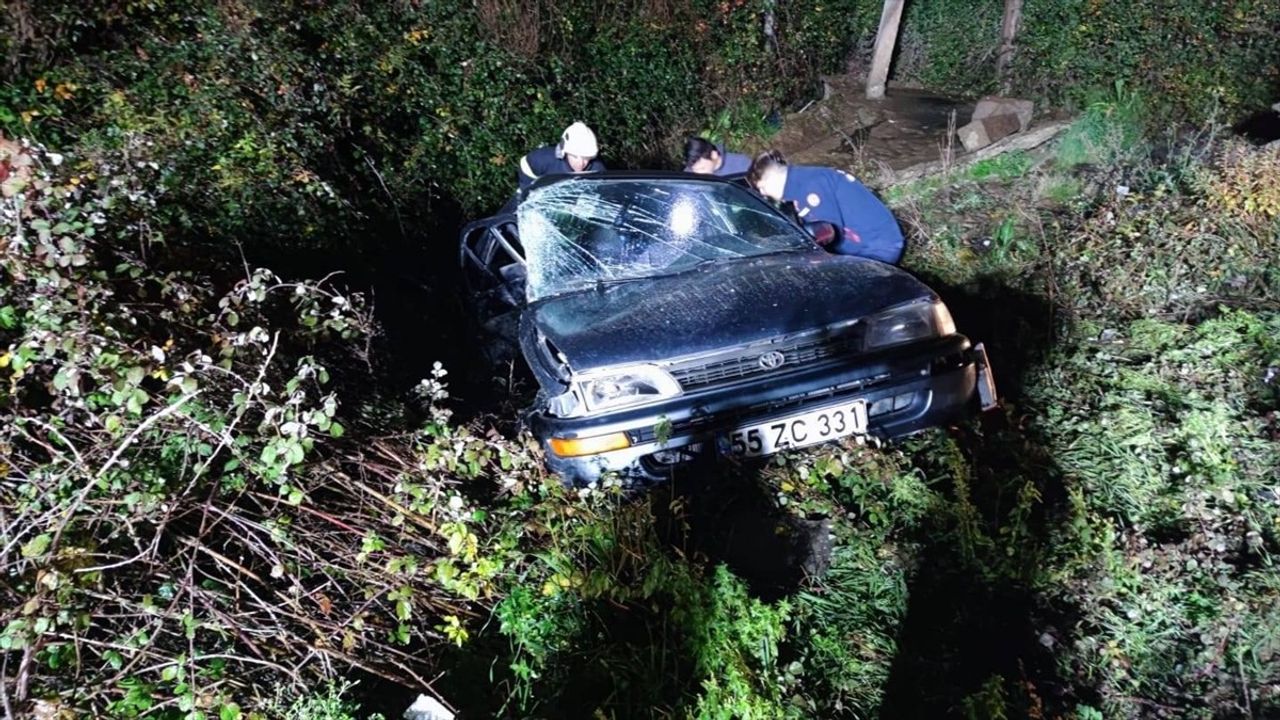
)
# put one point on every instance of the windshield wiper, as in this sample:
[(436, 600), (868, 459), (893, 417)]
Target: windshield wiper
[(601, 283)]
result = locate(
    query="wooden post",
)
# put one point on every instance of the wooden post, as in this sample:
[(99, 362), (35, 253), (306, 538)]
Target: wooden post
[(886, 38), (1008, 29)]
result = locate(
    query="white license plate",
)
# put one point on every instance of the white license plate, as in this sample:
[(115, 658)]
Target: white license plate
[(811, 428)]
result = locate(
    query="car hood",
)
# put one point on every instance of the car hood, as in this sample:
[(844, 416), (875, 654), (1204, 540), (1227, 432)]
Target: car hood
[(717, 306)]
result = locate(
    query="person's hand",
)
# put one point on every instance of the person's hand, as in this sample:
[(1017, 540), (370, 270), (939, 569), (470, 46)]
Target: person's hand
[(823, 233)]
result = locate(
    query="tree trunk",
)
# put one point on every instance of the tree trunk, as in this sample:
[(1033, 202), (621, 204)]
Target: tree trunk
[(771, 26), (1008, 30), (886, 38)]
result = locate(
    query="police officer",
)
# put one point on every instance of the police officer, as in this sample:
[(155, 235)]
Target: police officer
[(704, 157), (575, 153), (860, 223)]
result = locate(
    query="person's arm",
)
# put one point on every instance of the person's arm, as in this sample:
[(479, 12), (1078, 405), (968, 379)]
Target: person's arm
[(526, 174)]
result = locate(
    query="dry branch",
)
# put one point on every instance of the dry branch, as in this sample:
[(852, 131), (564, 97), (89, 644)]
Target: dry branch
[(1022, 141)]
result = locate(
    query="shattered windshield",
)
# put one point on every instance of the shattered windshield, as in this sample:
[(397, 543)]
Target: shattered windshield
[(584, 233)]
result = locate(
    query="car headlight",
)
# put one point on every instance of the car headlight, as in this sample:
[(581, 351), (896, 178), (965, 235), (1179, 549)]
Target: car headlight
[(622, 387), (914, 321)]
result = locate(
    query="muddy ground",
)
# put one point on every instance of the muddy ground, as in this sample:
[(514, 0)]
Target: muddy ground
[(876, 138)]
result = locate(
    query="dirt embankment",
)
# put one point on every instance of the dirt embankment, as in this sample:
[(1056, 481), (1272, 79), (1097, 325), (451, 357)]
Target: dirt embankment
[(885, 140)]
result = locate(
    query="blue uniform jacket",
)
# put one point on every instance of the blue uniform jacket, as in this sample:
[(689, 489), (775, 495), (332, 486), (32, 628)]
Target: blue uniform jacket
[(732, 163), (543, 161), (866, 227)]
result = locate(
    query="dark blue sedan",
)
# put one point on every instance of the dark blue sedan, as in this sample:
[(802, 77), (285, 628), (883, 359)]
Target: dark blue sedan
[(669, 318)]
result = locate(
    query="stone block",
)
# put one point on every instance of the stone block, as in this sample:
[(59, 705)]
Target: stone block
[(991, 106), (981, 133)]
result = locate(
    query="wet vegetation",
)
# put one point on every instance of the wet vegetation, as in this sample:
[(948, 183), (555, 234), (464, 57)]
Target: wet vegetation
[(236, 484)]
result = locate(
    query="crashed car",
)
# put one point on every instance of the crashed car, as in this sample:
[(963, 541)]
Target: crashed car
[(670, 317)]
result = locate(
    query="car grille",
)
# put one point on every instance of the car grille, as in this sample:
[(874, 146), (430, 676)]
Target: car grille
[(703, 423), (796, 353)]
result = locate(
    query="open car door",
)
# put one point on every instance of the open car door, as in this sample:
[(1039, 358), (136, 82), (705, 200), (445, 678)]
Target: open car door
[(494, 275)]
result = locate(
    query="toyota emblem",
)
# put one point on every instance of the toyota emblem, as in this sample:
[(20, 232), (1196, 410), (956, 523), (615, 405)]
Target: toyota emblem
[(772, 360)]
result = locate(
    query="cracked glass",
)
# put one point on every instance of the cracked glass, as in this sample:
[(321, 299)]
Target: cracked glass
[(586, 233)]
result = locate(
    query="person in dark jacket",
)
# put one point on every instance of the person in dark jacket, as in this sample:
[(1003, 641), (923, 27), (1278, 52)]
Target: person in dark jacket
[(704, 157), (575, 153), (859, 223)]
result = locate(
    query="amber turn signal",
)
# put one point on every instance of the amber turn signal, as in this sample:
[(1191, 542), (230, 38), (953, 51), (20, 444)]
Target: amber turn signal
[(577, 447)]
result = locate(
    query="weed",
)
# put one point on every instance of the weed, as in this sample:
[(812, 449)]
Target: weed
[(329, 703), (1062, 190), (1246, 182), (741, 126), (1006, 166), (1110, 131)]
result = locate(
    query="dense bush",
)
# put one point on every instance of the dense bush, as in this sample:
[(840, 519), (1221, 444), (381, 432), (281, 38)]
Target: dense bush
[(178, 518), (304, 124), (1151, 402), (1195, 60)]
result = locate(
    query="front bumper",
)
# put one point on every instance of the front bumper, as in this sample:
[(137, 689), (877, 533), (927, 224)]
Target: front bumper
[(908, 389)]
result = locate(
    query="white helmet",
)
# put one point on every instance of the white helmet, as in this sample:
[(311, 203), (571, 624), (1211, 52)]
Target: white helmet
[(578, 139)]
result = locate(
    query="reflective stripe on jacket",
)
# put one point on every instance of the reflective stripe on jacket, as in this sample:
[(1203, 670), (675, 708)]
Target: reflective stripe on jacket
[(543, 161)]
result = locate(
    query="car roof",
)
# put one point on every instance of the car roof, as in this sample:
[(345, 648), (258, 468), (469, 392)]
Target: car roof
[(651, 175)]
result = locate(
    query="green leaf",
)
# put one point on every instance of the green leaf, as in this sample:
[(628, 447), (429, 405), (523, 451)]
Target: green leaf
[(336, 429), (230, 711), (135, 401), (64, 377), (37, 545)]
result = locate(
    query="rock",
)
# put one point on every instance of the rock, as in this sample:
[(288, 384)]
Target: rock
[(982, 132), (427, 708), (868, 116), (991, 106), (812, 548)]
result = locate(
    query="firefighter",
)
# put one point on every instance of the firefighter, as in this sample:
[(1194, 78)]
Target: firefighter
[(575, 153), (704, 157), (859, 224)]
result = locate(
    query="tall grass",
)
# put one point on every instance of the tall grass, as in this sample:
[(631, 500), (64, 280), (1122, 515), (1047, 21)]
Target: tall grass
[(1110, 131)]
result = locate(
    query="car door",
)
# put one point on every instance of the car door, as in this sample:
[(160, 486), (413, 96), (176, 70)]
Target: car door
[(494, 275)]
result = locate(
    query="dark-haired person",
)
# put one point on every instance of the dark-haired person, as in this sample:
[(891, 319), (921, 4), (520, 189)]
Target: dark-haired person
[(704, 157), (575, 153), (860, 223)]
